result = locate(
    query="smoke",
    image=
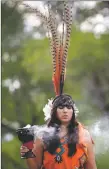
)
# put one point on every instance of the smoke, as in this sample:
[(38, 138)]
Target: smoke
[(100, 135), (42, 131), (99, 132)]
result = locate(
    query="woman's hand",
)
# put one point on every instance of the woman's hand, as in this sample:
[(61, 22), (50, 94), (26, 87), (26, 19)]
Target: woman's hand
[(34, 163), (23, 150)]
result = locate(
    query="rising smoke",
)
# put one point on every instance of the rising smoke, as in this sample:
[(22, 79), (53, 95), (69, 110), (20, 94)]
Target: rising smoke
[(100, 133)]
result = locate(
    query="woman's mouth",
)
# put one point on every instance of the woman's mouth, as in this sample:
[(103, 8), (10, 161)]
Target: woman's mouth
[(65, 117)]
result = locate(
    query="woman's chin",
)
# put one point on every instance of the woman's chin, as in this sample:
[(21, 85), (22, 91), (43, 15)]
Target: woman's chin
[(65, 120)]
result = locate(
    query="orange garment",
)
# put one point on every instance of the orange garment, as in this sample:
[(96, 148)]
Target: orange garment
[(73, 162)]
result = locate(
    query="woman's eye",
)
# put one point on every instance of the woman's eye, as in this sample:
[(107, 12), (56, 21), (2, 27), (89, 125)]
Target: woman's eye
[(60, 107), (69, 107)]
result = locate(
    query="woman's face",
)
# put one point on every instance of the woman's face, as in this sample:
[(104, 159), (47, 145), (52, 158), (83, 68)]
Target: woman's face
[(64, 113)]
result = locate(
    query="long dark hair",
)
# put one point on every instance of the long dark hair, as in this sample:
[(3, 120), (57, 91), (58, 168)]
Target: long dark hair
[(72, 127)]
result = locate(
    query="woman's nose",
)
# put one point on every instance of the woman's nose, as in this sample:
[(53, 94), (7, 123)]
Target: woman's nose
[(65, 109)]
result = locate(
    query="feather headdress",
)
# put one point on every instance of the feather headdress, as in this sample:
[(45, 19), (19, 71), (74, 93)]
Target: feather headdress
[(59, 46), (59, 49)]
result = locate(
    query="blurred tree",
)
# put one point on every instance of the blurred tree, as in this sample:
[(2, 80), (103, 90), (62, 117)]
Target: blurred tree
[(15, 80), (11, 35), (90, 60), (26, 84), (17, 106)]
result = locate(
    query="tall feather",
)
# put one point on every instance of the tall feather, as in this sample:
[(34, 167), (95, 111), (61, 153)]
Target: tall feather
[(41, 15), (56, 73), (53, 40), (59, 51), (68, 15), (61, 54)]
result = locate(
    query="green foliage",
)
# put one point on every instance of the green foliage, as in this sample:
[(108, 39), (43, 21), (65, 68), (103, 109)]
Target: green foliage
[(11, 155), (11, 26), (29, 63), (102, 160)]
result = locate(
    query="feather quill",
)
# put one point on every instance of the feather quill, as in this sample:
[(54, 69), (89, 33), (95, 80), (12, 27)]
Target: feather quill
[(59, 48)]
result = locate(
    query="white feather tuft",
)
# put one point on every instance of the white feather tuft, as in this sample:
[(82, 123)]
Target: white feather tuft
[(76, 110), (48, 107), (47, 110)]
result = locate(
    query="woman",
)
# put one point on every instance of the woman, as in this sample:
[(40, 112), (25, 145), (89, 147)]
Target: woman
[(71, 147)]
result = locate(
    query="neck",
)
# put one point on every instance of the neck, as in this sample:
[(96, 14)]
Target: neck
[(63, 130), (64, 126)]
